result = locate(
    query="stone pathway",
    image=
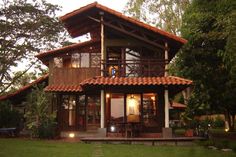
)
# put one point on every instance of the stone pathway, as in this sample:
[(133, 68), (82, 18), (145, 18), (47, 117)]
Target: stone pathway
[(97, 151)]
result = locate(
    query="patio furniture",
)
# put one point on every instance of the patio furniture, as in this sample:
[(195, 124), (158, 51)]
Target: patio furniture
[(11, 132)]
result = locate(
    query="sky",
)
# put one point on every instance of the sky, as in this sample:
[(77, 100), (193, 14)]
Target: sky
[(70, 5)]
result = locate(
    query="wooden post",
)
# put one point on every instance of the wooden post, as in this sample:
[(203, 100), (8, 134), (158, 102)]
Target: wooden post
[(166, 92), (102, 118)]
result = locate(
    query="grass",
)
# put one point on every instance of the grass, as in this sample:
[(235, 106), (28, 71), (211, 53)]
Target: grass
[(35, 148)]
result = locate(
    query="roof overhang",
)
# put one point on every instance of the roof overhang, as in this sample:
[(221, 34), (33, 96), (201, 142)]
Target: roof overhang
[(91, 13), (19, 95)]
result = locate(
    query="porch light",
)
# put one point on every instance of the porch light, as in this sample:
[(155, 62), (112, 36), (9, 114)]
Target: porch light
[(71, 135), (107, 95), (113, 128), (153, 98)]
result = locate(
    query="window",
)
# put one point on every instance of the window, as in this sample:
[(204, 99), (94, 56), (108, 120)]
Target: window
[(75, 60), (95, 59), (94, 110), (149, 110), (78, 60), (133, 107), (58, 62), (69, 103), (117, 108), (84, 59)]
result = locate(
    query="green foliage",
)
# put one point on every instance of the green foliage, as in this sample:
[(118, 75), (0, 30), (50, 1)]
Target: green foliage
[(47, 128), (26, 28), (165, 14), (218, 122), (208, 27), (9, 117), (39, 120)]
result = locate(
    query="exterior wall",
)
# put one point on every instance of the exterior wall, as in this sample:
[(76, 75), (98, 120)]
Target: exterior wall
[(72, 76)]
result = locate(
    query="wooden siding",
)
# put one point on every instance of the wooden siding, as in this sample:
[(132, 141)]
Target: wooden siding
[(72, 76)]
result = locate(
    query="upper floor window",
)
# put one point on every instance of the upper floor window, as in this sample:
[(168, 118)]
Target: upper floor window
[(84, 59), (95, 59), (78, 60), (75, 60), (58, 62)]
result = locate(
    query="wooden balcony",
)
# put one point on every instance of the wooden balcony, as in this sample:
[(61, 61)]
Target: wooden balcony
[(72, 76), (134, 68)]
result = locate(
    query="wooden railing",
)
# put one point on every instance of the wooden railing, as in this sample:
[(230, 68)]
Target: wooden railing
[(134, 68)]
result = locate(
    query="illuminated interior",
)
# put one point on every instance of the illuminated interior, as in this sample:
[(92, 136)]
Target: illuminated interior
[(133, 107)]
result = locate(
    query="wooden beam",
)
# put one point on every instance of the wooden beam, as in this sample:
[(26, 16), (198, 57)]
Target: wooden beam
[(129, 33)]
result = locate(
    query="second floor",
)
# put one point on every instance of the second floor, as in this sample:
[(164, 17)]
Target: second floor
[(118, 47)]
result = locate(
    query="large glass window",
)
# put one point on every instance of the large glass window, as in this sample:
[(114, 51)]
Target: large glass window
[(133, 107), (117, 108), (78, 60), (150, 109), (75, 60), (84, 59), (81, 112), (94, 110), (69, 104)]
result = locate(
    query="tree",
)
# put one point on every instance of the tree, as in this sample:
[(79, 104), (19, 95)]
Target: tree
[(26, 28), (165, 14), (38, 117), (209, 56)]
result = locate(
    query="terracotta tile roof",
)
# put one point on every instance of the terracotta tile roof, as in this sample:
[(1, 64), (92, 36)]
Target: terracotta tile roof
[(177, 105), (63, 88), (66, 48), (28, 86), (169, 80), (126, 18)]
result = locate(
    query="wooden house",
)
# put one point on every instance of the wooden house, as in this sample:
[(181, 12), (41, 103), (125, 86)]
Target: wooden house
[(116, 83)]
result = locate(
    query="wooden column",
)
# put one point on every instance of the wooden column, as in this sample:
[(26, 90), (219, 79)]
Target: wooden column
[(166, 92), (102, 118)]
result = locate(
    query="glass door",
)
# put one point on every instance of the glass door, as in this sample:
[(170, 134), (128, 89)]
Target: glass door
[(93, 110), (81, 112)]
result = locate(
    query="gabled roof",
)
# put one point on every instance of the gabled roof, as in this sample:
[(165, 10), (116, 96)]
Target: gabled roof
[(95, 5), (25, 88)]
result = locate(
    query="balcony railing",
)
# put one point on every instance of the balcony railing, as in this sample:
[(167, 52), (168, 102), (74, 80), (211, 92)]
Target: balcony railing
[(133, 68)]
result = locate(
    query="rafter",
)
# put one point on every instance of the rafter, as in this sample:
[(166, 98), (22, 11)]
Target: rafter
[(121, 28)]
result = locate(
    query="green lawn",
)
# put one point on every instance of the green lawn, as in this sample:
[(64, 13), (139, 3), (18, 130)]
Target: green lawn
[(34, 148)]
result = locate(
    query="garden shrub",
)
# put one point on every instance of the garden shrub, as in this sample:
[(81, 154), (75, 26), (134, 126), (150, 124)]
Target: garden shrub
[(47, 129), (218, 122), (9, 118)]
